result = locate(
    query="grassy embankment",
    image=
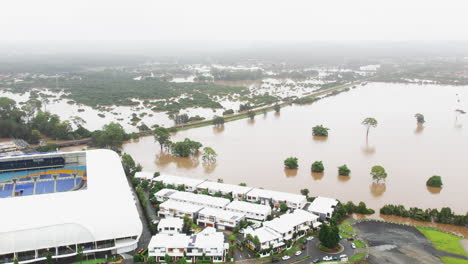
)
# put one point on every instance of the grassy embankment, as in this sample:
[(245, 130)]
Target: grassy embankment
[(443, 241)]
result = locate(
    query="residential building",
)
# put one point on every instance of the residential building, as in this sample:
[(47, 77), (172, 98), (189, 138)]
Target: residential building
[(323, 207), (253, 211), (173, 208), (236, 191), (170, 225), (207, 244), (164, 194), (219, 218), (199, 199), (274, 198), (267, 237), (189, 184), (144, 175), (292, 224)]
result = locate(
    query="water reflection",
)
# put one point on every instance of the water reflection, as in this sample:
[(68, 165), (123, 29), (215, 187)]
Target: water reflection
[(434, 190), (343, 178), (163, 159), (218, 129), (368, 150), (209, 167), (290, 172), (377, 189), (277, 114), (251, 121), (319, 138), (419, 129), (317, 175)]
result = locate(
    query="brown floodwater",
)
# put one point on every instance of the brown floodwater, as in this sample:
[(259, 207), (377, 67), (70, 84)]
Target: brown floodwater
[(253, 151)]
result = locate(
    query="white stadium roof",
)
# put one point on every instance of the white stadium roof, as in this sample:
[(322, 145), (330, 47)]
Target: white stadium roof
[(67, 218)]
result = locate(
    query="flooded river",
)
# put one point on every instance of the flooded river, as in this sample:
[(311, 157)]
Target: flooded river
[(253, 151)]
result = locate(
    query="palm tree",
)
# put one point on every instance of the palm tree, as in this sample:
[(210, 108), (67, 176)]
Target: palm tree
[(369, 122)]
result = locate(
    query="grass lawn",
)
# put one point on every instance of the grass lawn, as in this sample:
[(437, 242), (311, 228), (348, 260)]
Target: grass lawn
[(448, 260), (443, 241), (358, 256), (359, 244), (346, 229), (91, 261)]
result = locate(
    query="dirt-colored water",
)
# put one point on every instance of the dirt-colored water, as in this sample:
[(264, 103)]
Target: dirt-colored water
[(253, 151)]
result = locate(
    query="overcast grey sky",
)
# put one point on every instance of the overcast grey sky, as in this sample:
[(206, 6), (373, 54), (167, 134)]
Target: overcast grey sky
[(236, 20)]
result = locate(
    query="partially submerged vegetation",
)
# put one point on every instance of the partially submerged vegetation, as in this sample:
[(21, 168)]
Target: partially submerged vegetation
[(444, 216)]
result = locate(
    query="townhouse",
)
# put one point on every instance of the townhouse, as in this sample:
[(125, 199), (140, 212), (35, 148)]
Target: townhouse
[(219, 218), (253, 211), (274, 198)]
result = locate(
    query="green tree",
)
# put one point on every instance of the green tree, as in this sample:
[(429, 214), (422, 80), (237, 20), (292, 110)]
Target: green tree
[(49, 259), (111, 136), (256, 242), (251, 114), (305, 192), (329, 236), (162, 136), (15, 260), (291, 163), (419, 118), (317, 166), (209, 155), (182, 261), (129, 165), (185, 148), (368, 123), (243, 184), (434, 181), (343, 170), (277, 108), (168, 259), (79, 254), (218, 121), (283, 207), (378, 173), (320, 131)]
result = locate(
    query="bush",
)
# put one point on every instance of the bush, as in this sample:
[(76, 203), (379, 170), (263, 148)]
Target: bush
[(317, 166), (320, 131), (291, 163), (344, 170), (434, 181)]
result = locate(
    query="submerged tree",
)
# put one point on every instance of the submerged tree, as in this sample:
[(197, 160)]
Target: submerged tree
[(162, 135), (378, 173), (343, 170), (251, 114), (291, 163), (434, 181), (420, 118), (209, 155), (218, 121), (317, 166), (368, 123), (277, 108), (320, 131)]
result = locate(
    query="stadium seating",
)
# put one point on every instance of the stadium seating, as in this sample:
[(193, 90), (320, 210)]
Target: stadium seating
[(6, 190), (65, 185), (44, 187), (24, 189)]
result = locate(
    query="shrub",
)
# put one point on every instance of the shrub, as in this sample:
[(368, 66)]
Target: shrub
[(317, 166), (344, 170), (434, 181), (291, 163), (320, 131)]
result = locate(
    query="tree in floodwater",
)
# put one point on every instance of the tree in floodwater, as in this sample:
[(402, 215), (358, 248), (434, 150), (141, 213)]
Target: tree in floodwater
[(251, 114), (162, 136), (291, 163), (368, 123), (378, 173), (320, 131), (277, 108), (209, 155), (218, 121), (434, 181), (420, 118)]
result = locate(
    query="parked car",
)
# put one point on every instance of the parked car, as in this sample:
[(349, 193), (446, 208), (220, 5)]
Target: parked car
[(341, 237), (353, 245), (304, 241), (350, 239), (343, 256), (326, 258), (298, 253), (335, 258), (310, 238), (274, 260), (316, 260), (286, 257)]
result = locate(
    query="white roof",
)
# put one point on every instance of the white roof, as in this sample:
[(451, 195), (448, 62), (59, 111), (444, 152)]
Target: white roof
[(287, 222), (169, 222), (224, 188), (200, 199), (249, 207), (221, 214), (323, 205), (165, 192), (178, 180), (264, 234), (146, 175), (181, 206), (278, 196), (205, 239), (65, 218)]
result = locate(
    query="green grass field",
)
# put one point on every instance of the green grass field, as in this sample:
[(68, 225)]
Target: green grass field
[(448, 260), (443, 241), (359, 244), (358, 256)]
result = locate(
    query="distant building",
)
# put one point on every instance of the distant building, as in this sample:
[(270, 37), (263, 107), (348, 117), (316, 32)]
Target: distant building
[(192, 198), (144, 175), (170, 225), (254, 211), (219, 218), (13, 147), (323, 207), (295, 201), (238, 192), (207, 245)]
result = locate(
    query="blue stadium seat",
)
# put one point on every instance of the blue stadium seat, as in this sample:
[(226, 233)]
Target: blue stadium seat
[(6, 191), (25, 189), (44, 187), (65, 185)]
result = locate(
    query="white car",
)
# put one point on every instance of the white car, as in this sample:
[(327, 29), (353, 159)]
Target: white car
[(326, 258), (353, 245), (310, 238), (298, 253), (343, 256), (286, 257)]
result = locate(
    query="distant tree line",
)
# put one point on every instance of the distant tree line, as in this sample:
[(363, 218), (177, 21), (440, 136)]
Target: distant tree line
[(444, 216)]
